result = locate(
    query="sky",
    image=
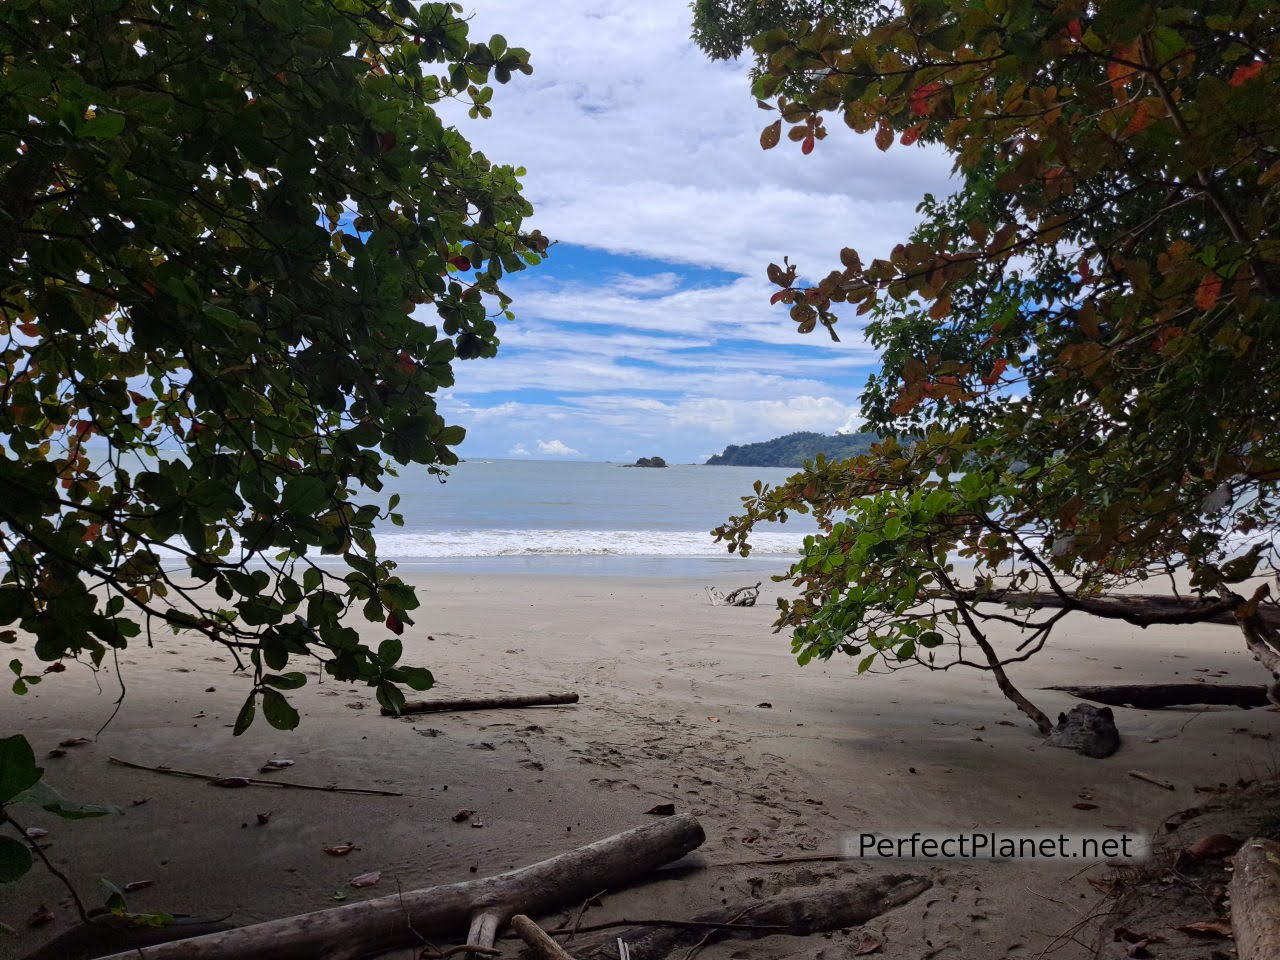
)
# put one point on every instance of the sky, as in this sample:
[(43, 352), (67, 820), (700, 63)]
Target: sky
[(648, 329)]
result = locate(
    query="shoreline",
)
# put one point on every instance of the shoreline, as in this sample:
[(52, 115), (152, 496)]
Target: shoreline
[(671, 712)]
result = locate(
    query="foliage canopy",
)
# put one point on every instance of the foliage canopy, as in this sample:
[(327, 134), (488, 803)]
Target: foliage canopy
[(239, 252), (1081, 337)]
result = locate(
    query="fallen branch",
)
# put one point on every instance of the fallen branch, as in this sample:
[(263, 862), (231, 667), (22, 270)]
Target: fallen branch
[(373, 927), (1255, 900), (1156, 696), (483, 703), (742, 597), (1154, 781), (539, 942), (798, 912), (252, 781)]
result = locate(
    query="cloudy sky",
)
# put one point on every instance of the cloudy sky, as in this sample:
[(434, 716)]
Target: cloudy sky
[(648, 329)]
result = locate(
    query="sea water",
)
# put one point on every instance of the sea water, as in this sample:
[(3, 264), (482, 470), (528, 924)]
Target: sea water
[(588, 518)]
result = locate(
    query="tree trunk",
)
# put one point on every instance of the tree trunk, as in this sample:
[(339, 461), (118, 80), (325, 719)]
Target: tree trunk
[(482, 703), (402, 920), (1156, 696), (1255, 900), (1140, 609), (799, 912)]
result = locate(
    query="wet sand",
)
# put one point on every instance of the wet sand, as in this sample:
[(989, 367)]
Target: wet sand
[(670, 691)]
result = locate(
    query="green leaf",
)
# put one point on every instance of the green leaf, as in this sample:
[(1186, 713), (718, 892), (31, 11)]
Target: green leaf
[(389, 651), (104, 126), (47, 798), (245, 716), (285, 681), (15, 859), (304, 495), (417, 678), (18, 770), (278, 711)]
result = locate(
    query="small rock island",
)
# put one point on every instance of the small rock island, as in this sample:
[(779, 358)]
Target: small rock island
[(647, 462)]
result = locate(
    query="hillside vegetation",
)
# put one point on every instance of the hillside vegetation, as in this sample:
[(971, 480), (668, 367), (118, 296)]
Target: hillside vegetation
[(793, 450)]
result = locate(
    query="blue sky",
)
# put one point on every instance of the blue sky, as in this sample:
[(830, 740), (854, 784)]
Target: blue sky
[(648, 329)]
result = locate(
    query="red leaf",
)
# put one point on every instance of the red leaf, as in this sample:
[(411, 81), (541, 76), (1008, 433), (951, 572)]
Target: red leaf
[(386, 141), (1140, 120), (884, 137), (92, 532), (807, 147), (1208, 291), (1207, 928), (868, 944), (395, 624), (920, 97), (406, 363), (911, 134), (1247, 72), (1074, 31), (776, 297), (462, 263), (30, 329), (997, 369)]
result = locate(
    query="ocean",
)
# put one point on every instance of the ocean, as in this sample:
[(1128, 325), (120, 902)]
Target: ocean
[(538, 516)]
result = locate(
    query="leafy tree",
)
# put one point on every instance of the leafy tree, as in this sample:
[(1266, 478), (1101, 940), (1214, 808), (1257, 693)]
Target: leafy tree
[(1080, 340), (239, 252)]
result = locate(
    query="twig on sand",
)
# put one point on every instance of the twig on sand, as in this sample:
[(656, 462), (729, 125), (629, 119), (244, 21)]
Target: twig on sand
[(253, 781), (577, 922), (675, 924), (1154, 781), (538, 940), (435, 953)]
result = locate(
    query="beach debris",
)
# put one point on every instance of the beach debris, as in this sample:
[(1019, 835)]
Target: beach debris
[(136, 885), (1088, 730), (463, 815), (538, 940), (56, 753), (73, 742), (355, 706), (484, 703), (1255, 900), (407, 918), (231, 783), (42, 916), (1213, 846), (662, 809), (1157, 696), (1176, 820), (1154, 781), (868, 944), (1085, 805), (275, 765), (1208, 928), (341, 849), (366, 879), (337, 895), (252, 781), (35, 833), (765, 705), (477, 822), (264, 818), (714, 719), (138, 803), (801, 911), (741, 597)]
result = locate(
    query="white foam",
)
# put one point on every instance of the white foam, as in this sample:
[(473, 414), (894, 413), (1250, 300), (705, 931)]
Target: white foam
[(603, 543)]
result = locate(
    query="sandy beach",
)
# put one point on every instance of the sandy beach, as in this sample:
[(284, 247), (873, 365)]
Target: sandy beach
[(672, 692)]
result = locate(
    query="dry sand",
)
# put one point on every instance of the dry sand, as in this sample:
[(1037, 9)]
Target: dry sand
[(670, 687)]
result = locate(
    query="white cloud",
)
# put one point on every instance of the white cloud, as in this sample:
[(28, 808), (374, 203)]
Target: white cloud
[(556, 449)]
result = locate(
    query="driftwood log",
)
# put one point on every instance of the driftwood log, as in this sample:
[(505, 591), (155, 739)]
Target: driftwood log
[(1156, 696), (539, 940), (483, 703), (798, 912), (402, 920), (1255, 900)]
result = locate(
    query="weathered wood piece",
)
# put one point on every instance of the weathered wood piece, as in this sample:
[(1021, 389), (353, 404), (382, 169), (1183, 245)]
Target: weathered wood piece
[(799, 912), (1255, 900), (539, 940), (87, 940), (1154, 781), (483, 703), (1086, 729), (1156, 696), (372, 927)]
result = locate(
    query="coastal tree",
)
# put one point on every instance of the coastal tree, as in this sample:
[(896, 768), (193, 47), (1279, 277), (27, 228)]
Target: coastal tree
[(1078, 385), (240, 250)]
